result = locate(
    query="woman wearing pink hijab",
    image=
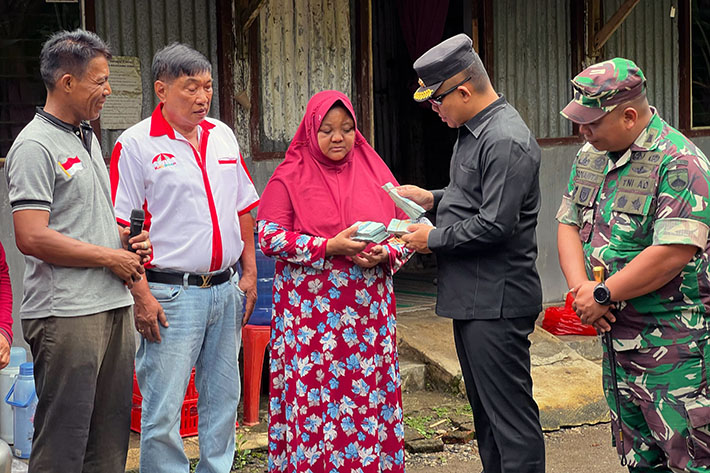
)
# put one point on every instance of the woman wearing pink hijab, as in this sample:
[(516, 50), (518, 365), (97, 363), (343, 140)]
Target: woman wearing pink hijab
[(335, 398), (5, 311)]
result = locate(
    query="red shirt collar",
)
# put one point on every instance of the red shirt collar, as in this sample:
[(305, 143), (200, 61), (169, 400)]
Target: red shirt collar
[(159, 125)]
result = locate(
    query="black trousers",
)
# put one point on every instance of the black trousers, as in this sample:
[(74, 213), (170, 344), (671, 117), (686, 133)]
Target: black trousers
[(83, 369), (495, 361)]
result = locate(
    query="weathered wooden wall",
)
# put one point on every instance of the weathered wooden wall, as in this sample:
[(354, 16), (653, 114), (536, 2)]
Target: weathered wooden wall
[(305, 47)]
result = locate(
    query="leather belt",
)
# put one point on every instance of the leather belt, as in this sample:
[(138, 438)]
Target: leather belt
[(199, 280)]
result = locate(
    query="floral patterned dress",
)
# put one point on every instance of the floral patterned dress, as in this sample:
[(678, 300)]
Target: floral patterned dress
[(335, 403)]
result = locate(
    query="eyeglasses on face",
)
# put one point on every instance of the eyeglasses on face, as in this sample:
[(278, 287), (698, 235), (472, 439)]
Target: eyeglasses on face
[(440, 98)]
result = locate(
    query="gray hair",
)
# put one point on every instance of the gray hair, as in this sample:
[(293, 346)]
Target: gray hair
[(177, 59), (69, 52)]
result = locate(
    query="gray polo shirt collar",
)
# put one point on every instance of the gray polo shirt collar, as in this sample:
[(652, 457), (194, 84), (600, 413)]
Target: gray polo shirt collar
[(476, 124), (83, 131)]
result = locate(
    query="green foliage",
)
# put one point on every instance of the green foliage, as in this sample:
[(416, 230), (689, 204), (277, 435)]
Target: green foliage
[(464, 410), (244, 457), (420, 424)]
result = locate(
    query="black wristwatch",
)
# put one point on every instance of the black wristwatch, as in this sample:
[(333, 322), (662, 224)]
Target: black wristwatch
[(602, 295)]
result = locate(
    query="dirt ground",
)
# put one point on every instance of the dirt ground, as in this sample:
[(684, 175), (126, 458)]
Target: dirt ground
[(570, 450)]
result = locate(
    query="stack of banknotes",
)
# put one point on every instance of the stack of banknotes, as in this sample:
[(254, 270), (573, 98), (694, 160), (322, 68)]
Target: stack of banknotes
[(373, 232), (376, 232), (411, 208), (398, 227)]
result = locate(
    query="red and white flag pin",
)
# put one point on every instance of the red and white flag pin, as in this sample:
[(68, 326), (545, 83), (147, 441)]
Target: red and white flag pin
[(71, 165)]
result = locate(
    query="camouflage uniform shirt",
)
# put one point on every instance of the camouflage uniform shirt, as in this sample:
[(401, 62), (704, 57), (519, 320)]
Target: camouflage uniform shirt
[(656, 193)]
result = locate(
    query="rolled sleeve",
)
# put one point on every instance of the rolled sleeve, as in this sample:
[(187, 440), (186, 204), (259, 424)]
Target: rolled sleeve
[(680, 231), (682, 214), (568, 213)]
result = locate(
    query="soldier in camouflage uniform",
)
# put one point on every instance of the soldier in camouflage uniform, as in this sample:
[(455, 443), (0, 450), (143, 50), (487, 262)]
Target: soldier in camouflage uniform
[(637, 204)]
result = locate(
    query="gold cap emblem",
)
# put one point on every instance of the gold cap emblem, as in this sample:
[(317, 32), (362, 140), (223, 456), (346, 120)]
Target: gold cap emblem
[(423, 94)]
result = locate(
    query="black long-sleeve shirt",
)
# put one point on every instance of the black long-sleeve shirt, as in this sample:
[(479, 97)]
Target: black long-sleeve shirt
[(485, 241)]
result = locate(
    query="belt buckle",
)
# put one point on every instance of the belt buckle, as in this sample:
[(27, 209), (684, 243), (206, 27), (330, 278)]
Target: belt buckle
[(206, 280)]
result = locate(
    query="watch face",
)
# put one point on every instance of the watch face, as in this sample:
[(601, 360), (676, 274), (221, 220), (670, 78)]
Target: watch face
[(601, 294)]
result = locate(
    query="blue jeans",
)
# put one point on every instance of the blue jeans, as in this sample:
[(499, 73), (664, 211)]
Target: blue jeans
[(203, 332)]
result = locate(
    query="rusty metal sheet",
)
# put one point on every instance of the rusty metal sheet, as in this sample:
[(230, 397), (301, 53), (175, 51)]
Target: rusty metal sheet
[(532, 61)]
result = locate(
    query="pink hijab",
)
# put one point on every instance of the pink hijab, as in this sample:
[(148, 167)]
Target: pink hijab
[(310, 193)]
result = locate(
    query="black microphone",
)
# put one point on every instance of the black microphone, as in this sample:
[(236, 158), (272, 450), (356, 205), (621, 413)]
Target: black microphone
[(137, 219)]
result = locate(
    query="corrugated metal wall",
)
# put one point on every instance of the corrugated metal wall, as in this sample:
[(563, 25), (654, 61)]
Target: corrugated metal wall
[(649, 37), (141, 27), (305, 48), (532, 61)]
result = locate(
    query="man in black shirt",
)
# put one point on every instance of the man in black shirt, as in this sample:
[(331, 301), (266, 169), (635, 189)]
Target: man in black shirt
[(485, 245)]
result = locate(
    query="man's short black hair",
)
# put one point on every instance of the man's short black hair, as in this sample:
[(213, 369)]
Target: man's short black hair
[(69, 52), (477, 72)]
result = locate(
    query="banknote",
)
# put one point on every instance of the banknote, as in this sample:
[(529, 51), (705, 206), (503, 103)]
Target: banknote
[(374, 232), (411, 208)]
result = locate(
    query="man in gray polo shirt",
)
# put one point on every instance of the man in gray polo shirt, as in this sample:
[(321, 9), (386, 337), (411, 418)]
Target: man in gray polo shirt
[(76, 309)]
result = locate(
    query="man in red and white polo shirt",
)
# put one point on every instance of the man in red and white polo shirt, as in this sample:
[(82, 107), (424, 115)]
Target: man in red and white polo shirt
[(185, 170)]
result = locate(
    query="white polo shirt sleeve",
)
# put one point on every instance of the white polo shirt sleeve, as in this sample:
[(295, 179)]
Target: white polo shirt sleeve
[(127, 192), (247, 197)]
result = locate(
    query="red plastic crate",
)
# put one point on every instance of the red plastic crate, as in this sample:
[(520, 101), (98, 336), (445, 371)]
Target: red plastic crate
[(190, 394), (188, 416)]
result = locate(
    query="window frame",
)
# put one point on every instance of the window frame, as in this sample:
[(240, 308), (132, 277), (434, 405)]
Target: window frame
[(685, 65), (254, 112)]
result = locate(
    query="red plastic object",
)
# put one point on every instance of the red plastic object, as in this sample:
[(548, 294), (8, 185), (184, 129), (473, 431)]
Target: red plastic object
[(191, 391), (254, 341), (565, 321), (188, 417), (190, 394)]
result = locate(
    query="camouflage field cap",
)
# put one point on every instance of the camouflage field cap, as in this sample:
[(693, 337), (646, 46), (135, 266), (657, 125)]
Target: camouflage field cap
[(601, 87), (441, 62)]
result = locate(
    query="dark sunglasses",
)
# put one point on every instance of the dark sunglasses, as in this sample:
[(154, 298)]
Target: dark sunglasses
[(440, 98)]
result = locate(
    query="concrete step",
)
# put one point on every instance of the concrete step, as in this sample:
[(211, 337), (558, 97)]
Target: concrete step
[(589, 347), (413, 375), (426, 338), (566, 385)]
